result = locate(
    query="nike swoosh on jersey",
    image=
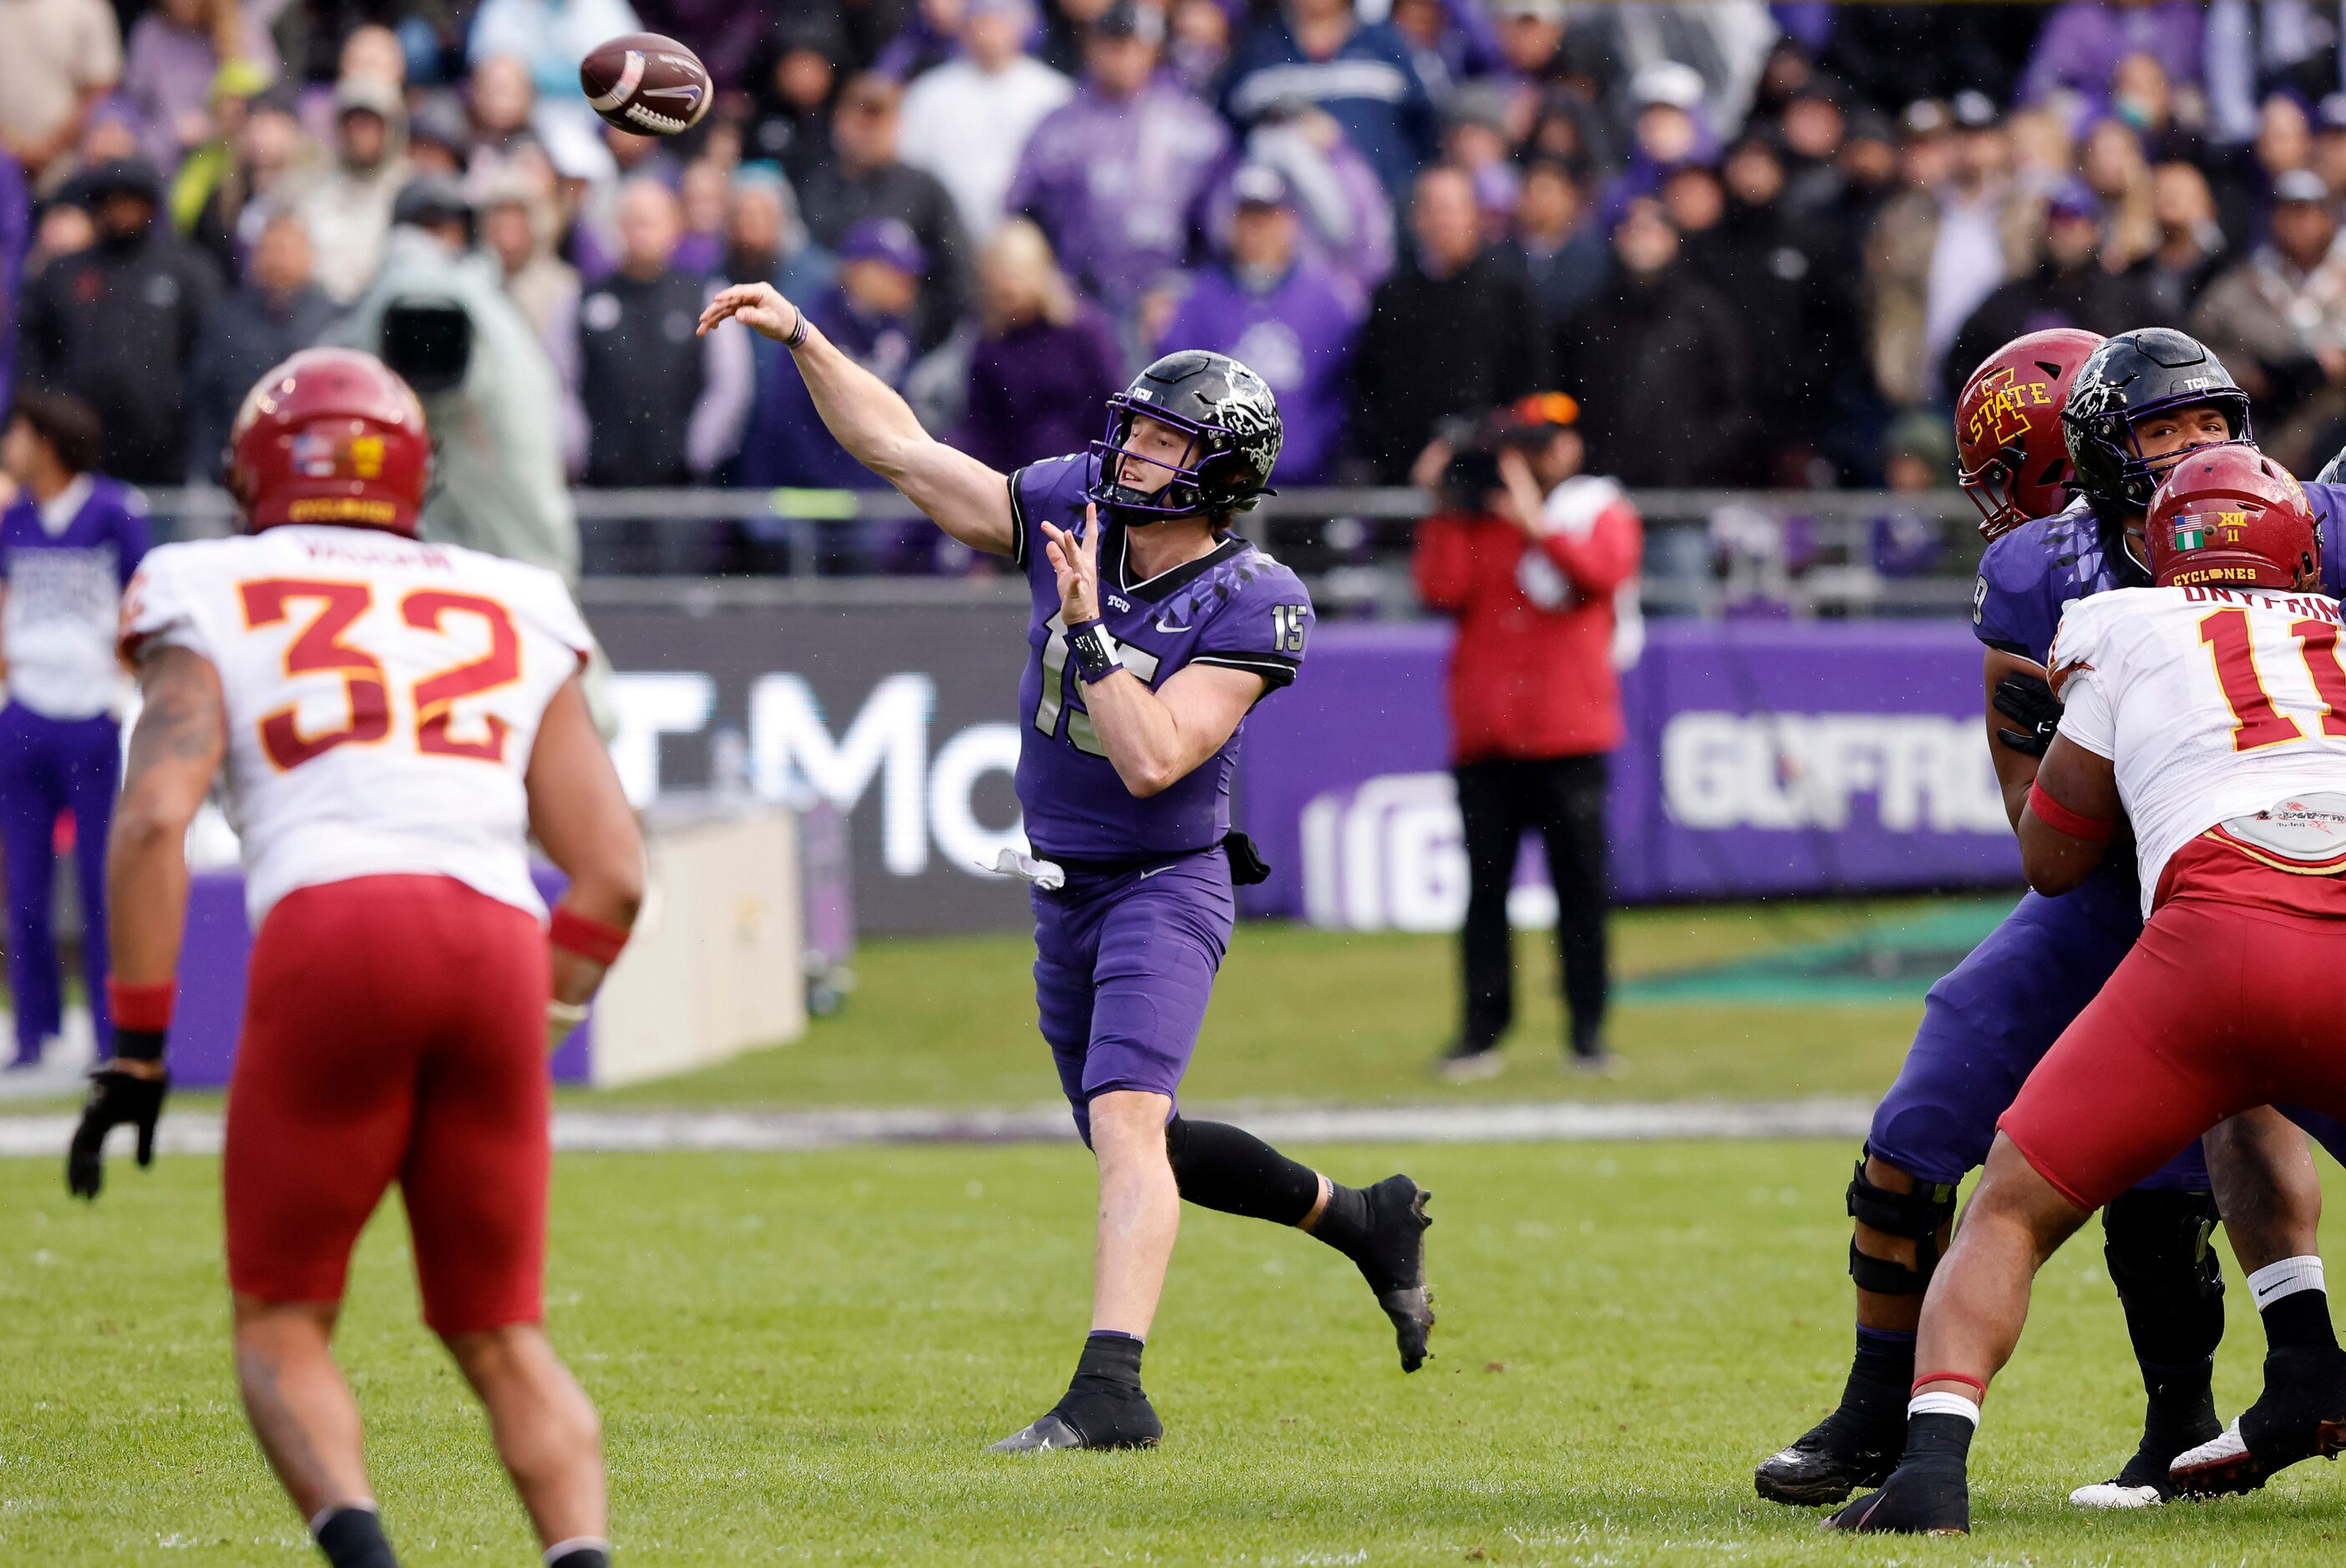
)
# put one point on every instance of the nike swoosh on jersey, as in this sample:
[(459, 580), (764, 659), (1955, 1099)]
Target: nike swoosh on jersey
[(1170, 631)]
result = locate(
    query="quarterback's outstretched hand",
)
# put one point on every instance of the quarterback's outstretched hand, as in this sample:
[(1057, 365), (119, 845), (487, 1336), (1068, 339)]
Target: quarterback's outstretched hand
[(1075, 563), (760, 306), (2028, 701), (117, 1094)]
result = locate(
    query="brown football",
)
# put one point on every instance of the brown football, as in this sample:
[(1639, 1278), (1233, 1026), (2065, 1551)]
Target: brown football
[(644, 83)]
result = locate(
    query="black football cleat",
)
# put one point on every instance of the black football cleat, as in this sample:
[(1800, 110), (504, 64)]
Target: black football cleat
[(1917, 1499), (2145, 1483), (2300, 1414), (1090, 1419), (1393, 1261), (1837, 1456)]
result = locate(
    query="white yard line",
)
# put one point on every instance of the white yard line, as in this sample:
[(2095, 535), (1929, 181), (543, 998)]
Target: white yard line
[(189, 1132)]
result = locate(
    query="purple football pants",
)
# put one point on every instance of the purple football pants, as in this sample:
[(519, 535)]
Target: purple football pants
[(48, 765), (1124, 966)]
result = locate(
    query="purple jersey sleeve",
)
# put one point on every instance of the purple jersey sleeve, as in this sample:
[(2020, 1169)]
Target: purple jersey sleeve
[(1258, 620), (2031, 575), (2329, 516), (1051, 491)]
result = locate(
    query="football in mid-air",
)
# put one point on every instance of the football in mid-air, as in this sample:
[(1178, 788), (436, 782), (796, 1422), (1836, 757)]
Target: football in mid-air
[(645, 83)]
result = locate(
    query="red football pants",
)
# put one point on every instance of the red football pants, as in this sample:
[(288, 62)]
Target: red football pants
[(394, 1029), (2234, 997)]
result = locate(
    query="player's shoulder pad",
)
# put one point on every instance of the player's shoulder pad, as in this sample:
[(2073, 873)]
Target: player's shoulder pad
[(538, 592)]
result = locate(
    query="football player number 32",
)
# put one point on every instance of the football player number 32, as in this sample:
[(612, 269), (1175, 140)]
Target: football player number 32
[(325, 612), (2255, 721)]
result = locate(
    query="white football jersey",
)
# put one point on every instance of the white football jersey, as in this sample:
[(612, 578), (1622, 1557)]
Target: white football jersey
[(382, 697), (2217, 705)]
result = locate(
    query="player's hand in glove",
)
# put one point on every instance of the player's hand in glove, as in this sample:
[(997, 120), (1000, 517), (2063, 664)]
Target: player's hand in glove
[(2028, 701), (117, 1095)]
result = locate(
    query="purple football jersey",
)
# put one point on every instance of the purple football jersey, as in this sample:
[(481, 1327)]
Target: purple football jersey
[(1236, 607), (2031, 575)]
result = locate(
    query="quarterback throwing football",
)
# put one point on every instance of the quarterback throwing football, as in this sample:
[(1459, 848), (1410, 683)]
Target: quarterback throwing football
[(1155, 631), (395, 719)]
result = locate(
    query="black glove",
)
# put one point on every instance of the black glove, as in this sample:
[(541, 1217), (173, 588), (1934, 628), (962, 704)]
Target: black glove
[(115, 1097), (2029, 702)]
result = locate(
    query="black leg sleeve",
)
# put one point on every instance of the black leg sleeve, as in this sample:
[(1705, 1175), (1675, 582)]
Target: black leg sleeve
[(2158, 1248), (1227, 1168)]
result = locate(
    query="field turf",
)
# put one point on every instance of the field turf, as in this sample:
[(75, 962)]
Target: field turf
[(1336, 1016), (798, 1359)]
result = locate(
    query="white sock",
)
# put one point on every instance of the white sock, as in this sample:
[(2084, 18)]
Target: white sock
[(2287, 1278), (554, 1553), (1943, 1404)]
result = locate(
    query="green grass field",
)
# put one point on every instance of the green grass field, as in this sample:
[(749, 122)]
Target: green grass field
[(1325, 1016), (798, 1358)]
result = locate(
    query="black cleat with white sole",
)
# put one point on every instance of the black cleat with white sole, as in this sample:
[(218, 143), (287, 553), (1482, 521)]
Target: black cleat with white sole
[(2145, 1483), (2300, 1415), (1094, 1419), (1839, 1455), (1393, 1261), (1919, 1499)]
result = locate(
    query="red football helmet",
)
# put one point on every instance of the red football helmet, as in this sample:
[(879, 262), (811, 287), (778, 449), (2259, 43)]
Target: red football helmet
[(331, 436), (2015, 461), (2231, 515)]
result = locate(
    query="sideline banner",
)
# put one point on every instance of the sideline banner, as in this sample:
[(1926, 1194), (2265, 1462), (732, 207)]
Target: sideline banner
[(1775, 758), (1780, 757)]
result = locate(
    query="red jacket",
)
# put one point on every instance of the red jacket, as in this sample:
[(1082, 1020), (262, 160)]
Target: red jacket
[(1532, 673)]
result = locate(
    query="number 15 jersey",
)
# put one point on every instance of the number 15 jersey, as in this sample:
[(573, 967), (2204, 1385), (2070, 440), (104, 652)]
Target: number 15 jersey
[(2219, 707), (382, 697)]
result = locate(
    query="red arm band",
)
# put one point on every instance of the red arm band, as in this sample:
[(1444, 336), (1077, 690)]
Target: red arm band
[(147, 1007), (589, 939), (2062, 819)]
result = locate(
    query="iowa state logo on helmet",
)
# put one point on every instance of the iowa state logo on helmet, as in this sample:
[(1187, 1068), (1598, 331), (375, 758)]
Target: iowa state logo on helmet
[(2000, 417)]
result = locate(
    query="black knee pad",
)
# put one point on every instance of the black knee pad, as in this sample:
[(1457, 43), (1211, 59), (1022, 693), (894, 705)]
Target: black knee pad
[(2160, 1245), (1917, 1215)]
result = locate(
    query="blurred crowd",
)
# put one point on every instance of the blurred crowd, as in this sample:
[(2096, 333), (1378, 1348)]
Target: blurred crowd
[(1762, 244)]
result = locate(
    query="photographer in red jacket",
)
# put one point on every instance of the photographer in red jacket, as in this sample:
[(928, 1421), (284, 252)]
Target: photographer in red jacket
[(1540, 575)]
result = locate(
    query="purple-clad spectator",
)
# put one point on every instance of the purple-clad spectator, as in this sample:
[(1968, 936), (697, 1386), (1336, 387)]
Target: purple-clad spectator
[(1668, 131), (2084, 40), (1114, 178), (174, 52), (1285, 319), (1362, 74), (870, 316), (1347, 224), (1204, 32), (966, 121), (1045, 361)]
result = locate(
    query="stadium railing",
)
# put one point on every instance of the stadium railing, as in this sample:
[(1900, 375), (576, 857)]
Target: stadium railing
[(1799, 553)]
